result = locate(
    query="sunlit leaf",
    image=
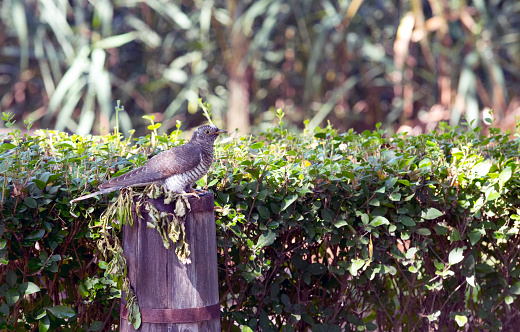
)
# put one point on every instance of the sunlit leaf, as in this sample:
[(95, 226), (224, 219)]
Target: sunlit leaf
[(431, 213), (288, 201), (378, 221), (461, 320), (28, 288), (62, 311), (44, 324), (265, 240), (456, 256)]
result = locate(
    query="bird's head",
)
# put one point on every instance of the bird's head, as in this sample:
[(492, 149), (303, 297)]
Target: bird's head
[(208, 133)]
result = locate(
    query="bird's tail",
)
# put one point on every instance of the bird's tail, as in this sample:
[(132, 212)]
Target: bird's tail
[(100, 192)]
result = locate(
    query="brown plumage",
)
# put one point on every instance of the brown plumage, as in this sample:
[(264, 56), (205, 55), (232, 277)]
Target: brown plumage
[(178, 168)]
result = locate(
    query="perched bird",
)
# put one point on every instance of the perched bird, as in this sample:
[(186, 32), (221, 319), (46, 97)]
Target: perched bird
[(178, 168)]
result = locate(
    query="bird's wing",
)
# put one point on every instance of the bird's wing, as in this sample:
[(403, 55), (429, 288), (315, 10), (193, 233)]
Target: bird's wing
[(177, 160)]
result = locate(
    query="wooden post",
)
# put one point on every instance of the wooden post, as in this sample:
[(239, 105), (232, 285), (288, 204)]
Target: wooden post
[(173, 296)]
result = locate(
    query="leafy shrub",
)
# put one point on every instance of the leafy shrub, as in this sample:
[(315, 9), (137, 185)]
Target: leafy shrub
[(316, 231), (351, 232)]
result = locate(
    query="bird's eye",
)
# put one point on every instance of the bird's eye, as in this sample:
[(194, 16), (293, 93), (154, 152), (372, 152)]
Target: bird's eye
[(207, 131)]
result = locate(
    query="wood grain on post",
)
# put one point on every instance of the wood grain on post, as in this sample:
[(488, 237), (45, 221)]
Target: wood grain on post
[(173, 296)]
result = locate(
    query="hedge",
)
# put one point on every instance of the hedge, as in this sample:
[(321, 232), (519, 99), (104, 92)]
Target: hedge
[(317, 231)]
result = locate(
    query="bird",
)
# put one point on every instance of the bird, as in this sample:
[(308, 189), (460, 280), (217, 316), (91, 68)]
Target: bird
[(177, 168)]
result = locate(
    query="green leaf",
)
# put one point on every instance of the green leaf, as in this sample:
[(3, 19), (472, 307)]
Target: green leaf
[(298, 262), (265, 240), (340, 223), (263, 212), (409, 197), (6, 146), (407, 221), (411, 252), (11, 278), (44, 324), (404, 182), (482, 169), (474, 236), (4, 309), (455, 236), (55, 258), (380, 190), (478, 204), (82, 290), (471, 280), (491, 194), (378, 221), (461, 320), (441, 230), (285, 300), (316, 268), (30, 202), (254, 171), (438, 265), (288, 201), (257, 145), (424, 231), (40, 184), (485, 269), (61, 311), (504, 176), (45, 177), (396, 197), (95, 326), (12, 296), (369, 326), (469, 265), (35, 235), (509, 299), (431, 213), (426, 162), (456, 256), (374, 202), (356, 265), (390, 182), (273, 224), (28, 288), (515, 288), (433, 317)]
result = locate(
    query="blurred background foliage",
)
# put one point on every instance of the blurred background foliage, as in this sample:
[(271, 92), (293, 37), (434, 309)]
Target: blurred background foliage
[(408, 64)]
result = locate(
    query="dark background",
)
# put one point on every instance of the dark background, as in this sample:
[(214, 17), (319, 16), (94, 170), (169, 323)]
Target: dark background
[(407, 64)]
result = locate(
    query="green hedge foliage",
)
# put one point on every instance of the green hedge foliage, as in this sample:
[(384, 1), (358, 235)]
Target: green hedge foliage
[(317, 231)]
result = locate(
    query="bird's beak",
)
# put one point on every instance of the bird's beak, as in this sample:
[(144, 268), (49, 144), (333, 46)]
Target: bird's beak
[(220, 131)]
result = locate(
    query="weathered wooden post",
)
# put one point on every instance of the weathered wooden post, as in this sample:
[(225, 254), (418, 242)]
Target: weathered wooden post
[(173, 296)]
